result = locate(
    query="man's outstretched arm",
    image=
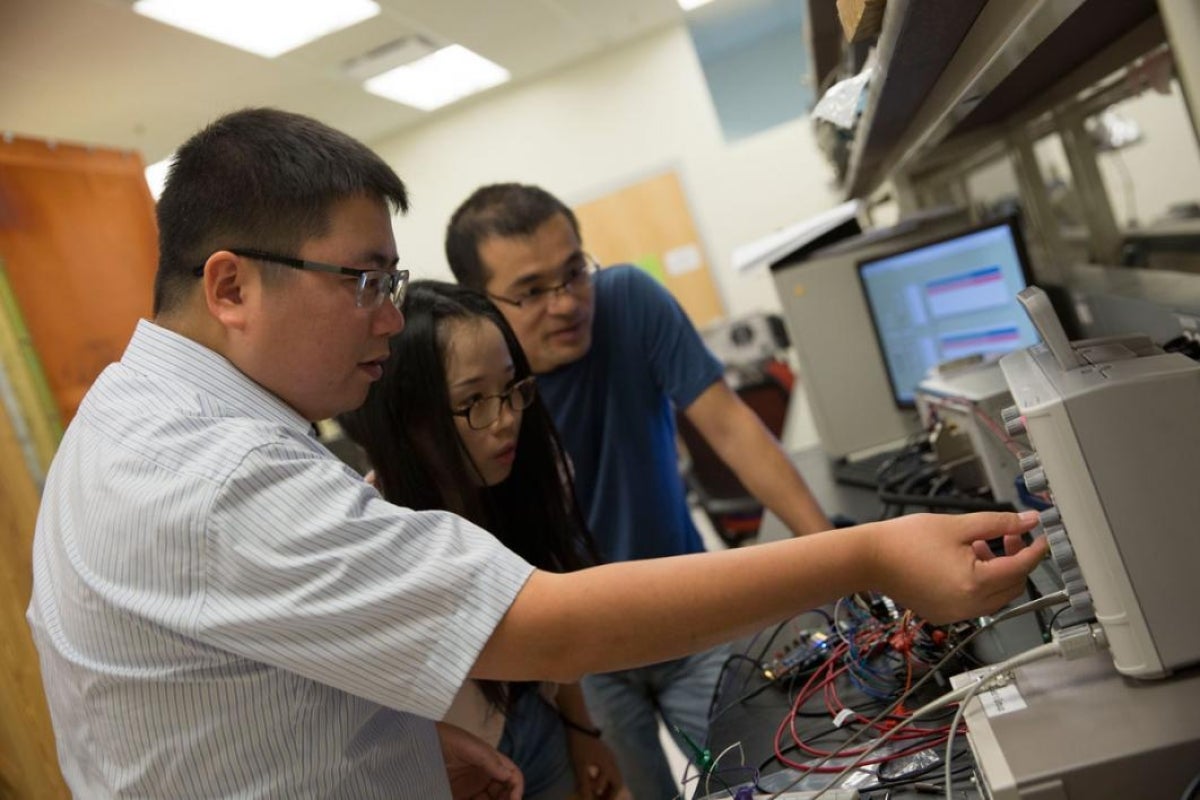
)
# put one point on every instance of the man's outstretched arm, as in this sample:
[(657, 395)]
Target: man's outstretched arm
[(615, 616)]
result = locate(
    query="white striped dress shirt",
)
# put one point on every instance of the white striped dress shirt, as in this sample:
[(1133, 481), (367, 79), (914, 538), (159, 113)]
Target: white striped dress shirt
[(223, 609)]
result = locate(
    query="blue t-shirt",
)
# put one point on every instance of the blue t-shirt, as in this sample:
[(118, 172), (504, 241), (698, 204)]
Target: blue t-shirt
[(615, 408)]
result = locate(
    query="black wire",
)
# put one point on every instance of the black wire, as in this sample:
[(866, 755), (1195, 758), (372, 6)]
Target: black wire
[(811, 738), (822, 612), (940, 501), (757, 662), (1193, 789), (712, 703), (1035, 594), (869, 705), (792, 678), (911, 777), (1063, 610), (761, 654), (750, 695), (939, 483), (771, 640), (934, 670), (808, 739), (720, 780), (883, 478), (903, 485), (893, 482), (1055, 616), (897, 492), (714, 715), (794, 683), (931, 782), (919, 476)]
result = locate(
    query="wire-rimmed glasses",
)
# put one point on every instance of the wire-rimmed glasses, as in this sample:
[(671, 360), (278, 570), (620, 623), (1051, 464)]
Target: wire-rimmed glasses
[(576, 278)]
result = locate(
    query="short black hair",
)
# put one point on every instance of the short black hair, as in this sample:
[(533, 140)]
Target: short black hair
[(501, 209), (258, 178), (408, 432)]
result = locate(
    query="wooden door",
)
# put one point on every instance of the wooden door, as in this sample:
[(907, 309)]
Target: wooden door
[(648, 223)]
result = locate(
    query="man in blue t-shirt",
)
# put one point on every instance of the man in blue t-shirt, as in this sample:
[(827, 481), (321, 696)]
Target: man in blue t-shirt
[(615, 356)]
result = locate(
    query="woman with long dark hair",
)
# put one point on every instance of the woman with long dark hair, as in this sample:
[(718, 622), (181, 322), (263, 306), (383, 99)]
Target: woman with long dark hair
[(454, 424)]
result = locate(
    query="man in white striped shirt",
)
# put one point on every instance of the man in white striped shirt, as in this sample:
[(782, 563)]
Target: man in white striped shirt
[(223, 609)]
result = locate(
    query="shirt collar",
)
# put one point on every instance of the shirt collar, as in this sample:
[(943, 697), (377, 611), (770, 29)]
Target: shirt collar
[(161, 352)]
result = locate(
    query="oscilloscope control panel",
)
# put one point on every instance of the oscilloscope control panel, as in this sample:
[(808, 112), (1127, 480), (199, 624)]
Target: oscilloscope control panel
[(1116, 431)]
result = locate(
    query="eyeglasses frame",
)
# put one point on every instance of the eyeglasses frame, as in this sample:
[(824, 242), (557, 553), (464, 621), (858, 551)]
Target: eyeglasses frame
[(398, 279), (591, 267), (505, 397)]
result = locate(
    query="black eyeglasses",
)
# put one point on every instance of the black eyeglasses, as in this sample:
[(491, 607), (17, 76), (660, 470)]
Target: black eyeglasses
[(373, 284), (484, 411), (576, 279)]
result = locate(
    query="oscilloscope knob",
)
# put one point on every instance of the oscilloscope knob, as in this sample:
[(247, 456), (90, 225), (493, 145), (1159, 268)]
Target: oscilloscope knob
[(1035, 480), (1061, 550), (1081, 603), (1013, 422)]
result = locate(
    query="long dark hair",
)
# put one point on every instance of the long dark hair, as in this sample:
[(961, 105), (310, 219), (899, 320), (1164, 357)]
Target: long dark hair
[(408, 433)]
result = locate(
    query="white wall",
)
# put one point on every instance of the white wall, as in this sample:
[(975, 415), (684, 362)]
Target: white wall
[(1160, 170), (1147, 177), (601, 124)]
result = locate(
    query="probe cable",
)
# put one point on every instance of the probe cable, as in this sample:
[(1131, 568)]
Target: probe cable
[(1055, 598)]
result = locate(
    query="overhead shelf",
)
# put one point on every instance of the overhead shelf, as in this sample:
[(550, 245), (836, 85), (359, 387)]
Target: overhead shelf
[(918, 40), (953, 69)]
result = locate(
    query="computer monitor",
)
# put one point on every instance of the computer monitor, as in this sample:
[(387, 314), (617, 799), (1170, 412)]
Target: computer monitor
[(844, 380), (947, 300)]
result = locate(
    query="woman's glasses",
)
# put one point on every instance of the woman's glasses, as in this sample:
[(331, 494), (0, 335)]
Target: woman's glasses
[(484, 411)]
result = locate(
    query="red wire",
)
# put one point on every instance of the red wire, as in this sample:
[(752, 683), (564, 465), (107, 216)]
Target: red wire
[(823, 680)]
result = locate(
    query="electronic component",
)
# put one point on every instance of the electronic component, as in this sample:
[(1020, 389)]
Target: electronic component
[(1076, 730), (969, 400), (807, 650), (1117, 445), (746, 341)]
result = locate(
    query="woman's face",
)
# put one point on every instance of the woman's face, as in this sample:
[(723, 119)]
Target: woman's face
[(479, 365)]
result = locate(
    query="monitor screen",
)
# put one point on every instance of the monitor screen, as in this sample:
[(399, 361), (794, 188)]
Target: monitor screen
[(947, 300)]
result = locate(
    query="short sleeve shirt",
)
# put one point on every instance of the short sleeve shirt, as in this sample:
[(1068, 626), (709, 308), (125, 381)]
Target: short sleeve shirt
[(615, 410), (224, 609)]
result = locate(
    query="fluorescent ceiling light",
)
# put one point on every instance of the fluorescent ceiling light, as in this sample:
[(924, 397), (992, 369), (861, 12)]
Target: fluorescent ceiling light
[(156, 176), (264, 27), (688, 5), (439, 78)]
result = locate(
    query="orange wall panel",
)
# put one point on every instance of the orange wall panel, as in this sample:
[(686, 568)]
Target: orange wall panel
[(78, 237)]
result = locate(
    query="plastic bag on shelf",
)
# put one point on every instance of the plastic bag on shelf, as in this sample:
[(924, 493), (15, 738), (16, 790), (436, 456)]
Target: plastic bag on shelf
[(844, 101)]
